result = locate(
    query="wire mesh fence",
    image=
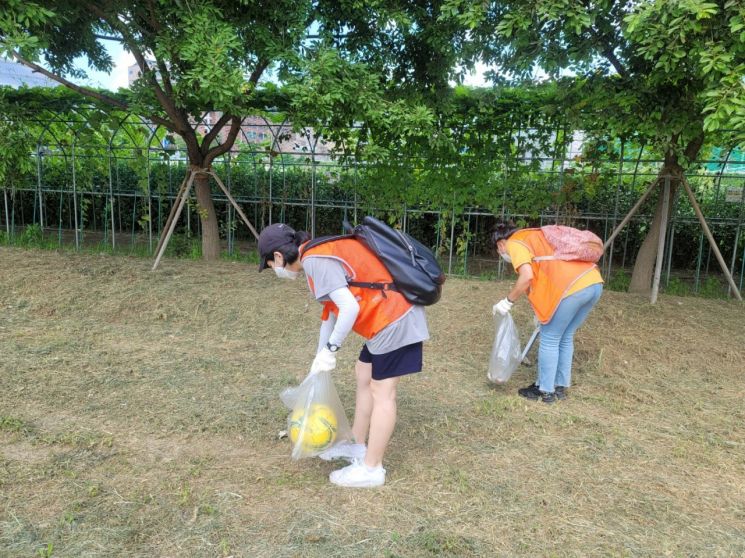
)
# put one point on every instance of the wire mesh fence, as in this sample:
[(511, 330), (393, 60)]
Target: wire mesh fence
[(115, 190)]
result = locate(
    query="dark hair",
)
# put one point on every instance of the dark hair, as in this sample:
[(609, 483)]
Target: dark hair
[(290, 252), (503, 230)]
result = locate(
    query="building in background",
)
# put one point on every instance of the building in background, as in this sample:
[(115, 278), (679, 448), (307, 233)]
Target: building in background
[(17, 75), (260, 133), (134, 73), (256, 131)]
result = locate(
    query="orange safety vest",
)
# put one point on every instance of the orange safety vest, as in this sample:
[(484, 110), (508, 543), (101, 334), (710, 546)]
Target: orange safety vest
[(378, 308), (552, 279)]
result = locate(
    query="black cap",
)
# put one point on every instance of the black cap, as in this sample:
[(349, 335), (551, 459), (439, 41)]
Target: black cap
[(272, 239)]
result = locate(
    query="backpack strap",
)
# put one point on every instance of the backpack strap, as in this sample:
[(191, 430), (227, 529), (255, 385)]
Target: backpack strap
[(535, 258), (360, 284), (322, 240), (378, 286)]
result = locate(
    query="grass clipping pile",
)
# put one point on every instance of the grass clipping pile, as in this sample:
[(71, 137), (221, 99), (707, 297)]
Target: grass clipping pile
[(139, 417)]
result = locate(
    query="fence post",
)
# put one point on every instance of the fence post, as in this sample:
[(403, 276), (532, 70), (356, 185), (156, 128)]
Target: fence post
[(231, 236), (150, 201), (7, 214), (615, 209), (699, 259), (38, 186), (75, 198), (271, 179), (452, 237), (737, 237), (111, 201)]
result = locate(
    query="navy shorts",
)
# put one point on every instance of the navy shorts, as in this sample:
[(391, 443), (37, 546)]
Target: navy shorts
[(406, 360)]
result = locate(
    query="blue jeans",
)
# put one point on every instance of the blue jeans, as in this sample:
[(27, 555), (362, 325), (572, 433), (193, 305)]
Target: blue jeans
[(557, 338)]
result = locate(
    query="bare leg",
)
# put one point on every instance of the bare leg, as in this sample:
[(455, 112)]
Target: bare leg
[(364, 401), (382, 420)]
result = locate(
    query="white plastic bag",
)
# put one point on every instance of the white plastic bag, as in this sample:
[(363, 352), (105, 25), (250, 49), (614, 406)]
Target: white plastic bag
[(316, 421), (505, 354)]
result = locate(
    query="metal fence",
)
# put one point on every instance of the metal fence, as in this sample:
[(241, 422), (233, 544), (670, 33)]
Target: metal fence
[(107, 208)]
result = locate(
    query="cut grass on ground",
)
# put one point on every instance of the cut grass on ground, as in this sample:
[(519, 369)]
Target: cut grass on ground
[(139, 417)]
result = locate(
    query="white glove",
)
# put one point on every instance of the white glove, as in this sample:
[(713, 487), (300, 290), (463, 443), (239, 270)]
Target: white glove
[(325, 361), (503, 307)]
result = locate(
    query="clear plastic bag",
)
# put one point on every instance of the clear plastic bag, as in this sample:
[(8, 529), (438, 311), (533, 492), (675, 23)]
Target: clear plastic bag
[(505, 354), (316, 421)]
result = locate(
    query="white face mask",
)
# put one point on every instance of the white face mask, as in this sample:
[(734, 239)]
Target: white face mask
[(506, 257), (284, 273)]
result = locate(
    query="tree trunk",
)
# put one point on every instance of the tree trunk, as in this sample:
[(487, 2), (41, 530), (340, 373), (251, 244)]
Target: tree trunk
[(641, 278), (208, 217)]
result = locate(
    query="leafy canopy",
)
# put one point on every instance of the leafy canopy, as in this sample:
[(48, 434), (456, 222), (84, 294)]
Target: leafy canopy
[(347, 60), (668, 71)]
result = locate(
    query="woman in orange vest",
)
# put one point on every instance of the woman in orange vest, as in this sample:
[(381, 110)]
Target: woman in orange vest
[(393, 329), (562, 293)]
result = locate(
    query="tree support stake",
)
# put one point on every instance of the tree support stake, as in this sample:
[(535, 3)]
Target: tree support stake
[(187, 179), (235, 204), (630, 214), (172, 225), (181, 197), (661, 241), (710, 237)]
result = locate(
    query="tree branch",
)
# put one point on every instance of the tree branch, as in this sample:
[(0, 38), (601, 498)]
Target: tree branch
[(603, 38), (694, 146), (108, 38), (613, 59), (258, 70), (235, 126), (153, 19), (87, 92), (261, 66), (212, 134), (162, 68), (671, 156), (164, 76), (167, 103), (180, 122)]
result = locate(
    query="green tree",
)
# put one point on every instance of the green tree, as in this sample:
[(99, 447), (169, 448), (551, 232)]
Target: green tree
[(668, 73), (210, 55)]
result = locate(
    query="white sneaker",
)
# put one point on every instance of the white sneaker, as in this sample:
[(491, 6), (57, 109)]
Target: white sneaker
[(344, 450), (358, 475)]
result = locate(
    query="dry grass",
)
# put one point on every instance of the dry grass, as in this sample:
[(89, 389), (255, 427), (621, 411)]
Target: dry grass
[(139, 415)]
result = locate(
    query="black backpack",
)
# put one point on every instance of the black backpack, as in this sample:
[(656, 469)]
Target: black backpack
[(415, 271)]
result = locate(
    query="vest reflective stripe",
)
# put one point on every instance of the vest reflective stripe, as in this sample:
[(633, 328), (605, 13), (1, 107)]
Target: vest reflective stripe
[(378, 308), (552, 279)]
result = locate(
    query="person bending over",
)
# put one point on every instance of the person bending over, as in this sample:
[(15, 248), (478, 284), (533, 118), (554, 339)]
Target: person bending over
[(393, 328), (562, 293)]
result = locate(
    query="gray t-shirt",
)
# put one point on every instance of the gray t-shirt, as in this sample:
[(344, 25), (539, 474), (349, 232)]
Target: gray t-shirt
[(328, 274)]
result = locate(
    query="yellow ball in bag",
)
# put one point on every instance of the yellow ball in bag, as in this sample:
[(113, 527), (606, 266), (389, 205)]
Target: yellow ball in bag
[(318, 427)]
